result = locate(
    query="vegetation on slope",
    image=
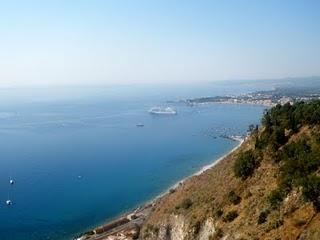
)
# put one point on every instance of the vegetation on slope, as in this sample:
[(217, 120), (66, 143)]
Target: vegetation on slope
[(268, 189), (300, 159)]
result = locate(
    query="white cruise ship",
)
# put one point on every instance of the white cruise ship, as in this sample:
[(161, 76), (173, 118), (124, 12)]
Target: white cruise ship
[(163, 111)]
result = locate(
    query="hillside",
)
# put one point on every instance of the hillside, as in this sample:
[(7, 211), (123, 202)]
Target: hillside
[(268, 189)]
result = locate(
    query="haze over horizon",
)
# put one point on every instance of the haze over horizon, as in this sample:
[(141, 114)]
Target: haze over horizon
[(121, 42)]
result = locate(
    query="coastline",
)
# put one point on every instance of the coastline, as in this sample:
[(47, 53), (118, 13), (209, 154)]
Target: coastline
[(238, 103), (201, 171), (130, 221), (207, 167)]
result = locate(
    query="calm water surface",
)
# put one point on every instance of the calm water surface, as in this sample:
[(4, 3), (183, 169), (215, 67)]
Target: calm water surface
[(78, 158)]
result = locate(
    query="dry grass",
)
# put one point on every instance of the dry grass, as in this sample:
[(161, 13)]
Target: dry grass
[(209, 195)]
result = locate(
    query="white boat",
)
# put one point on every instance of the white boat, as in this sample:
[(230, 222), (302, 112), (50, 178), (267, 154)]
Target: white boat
[(9, 202), (11, 181), (163, 111)]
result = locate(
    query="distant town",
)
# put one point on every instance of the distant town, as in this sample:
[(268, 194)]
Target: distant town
[(265, 98)]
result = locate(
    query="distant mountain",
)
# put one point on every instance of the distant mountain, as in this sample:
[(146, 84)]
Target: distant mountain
[(279, 83)]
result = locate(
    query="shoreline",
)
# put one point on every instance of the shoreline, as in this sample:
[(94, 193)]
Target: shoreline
[(124, 222), (238, 103), (199, 172)]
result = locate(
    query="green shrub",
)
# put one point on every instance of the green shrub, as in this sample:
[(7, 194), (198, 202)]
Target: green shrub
[(245, 164), (151, 229), (276, 197), (186, 203), (219, 213), (231, 216), (274, 224), (311, 190), (277, 138), (234, 198), (263, 216)]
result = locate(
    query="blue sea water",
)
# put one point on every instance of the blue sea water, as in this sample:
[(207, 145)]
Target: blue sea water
[(78, 158)]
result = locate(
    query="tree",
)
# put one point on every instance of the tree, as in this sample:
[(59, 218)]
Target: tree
[(245, 164), (311, 190)]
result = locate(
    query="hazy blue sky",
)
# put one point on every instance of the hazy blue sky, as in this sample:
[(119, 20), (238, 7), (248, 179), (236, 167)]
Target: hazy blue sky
[(101, 42)]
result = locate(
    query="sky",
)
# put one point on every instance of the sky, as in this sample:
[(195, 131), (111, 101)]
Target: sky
[(67, 42)]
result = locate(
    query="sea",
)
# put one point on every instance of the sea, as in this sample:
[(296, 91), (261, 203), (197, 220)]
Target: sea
[(78, 158)]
